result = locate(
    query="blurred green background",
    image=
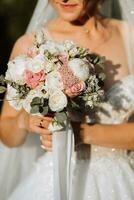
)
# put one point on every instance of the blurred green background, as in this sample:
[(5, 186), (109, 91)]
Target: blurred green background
[(14, 18)]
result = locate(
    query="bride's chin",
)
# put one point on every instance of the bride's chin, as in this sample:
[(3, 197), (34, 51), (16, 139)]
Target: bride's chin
[(69, 17)]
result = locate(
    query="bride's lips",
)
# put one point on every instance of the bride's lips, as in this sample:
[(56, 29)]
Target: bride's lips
[(68, 6)]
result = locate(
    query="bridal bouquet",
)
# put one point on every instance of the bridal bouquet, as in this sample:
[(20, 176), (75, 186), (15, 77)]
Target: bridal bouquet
[(52, 77)]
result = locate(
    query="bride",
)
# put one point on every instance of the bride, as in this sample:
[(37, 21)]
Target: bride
[(104, 170)]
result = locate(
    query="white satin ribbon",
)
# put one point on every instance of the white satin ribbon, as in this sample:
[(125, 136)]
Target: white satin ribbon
[(63, 144)]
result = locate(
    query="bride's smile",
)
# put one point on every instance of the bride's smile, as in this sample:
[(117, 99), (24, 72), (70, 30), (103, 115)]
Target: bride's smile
[(70, 10)]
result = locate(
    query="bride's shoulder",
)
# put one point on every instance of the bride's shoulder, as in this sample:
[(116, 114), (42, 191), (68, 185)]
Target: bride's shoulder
[(22, 44), (118, 25)]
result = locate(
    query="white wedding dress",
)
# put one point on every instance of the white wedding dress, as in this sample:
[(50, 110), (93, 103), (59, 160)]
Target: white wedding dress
[(99, 173)]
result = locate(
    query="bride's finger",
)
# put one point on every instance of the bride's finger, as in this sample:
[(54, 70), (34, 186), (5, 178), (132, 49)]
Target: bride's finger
[(49, 119), (46, 149), (40, 121), (46, 137), (41, 131), (46, 144), (44, 123)]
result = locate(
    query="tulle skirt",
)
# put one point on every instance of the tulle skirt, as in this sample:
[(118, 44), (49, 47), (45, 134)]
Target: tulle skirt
[(106, 175)]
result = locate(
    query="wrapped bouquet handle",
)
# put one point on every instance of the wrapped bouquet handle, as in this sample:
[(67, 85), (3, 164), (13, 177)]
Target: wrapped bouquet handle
[(63, 145)]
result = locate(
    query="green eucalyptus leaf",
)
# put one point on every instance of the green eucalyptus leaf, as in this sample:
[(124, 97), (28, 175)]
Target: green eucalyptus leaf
[(44, 110), (2, 89), (35, 101), (34, 109), (2, 79), (61, 117)]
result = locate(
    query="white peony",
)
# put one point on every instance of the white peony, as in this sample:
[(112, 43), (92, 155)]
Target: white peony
[(54, 81), (16, 69), (57, 101), (80, 68), (13, 98), (36, 64), (32, 94)]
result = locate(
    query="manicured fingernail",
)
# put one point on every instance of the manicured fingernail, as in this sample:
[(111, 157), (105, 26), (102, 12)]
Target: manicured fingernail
[(41, 138), (42, 146)]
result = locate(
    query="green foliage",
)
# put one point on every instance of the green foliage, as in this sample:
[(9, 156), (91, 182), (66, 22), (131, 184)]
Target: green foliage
[(39, 105), (2, 89), (61, 117)]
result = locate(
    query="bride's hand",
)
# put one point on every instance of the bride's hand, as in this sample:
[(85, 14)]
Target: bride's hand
[(39, 125), (82, 132)]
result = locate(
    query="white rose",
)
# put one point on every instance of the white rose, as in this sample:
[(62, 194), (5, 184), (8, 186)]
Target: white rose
[(16, 69), (36, 64), (32, 94), (57, 101), (54, 81), (80, 68), (13, 98)]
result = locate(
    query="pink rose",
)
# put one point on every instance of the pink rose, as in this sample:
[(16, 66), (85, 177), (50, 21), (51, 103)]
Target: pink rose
[(33, 79), (76, 89)]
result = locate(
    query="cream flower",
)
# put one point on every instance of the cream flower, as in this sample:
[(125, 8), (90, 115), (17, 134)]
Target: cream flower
[(16, 69), (57, 101), (13, 98), (80, 68), (53, 81)]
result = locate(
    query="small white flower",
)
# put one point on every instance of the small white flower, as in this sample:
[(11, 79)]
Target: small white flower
[(68, 45), (57, 101), (73, 52), (53, 81), (39, 38), (32, 94), (13, 98), (80, 68), (16, 69)]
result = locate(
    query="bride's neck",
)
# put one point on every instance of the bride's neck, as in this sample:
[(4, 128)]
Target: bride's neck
[(91, 24)]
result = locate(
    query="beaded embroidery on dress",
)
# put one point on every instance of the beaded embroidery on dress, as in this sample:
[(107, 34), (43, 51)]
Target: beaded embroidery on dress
[(106, 175)]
